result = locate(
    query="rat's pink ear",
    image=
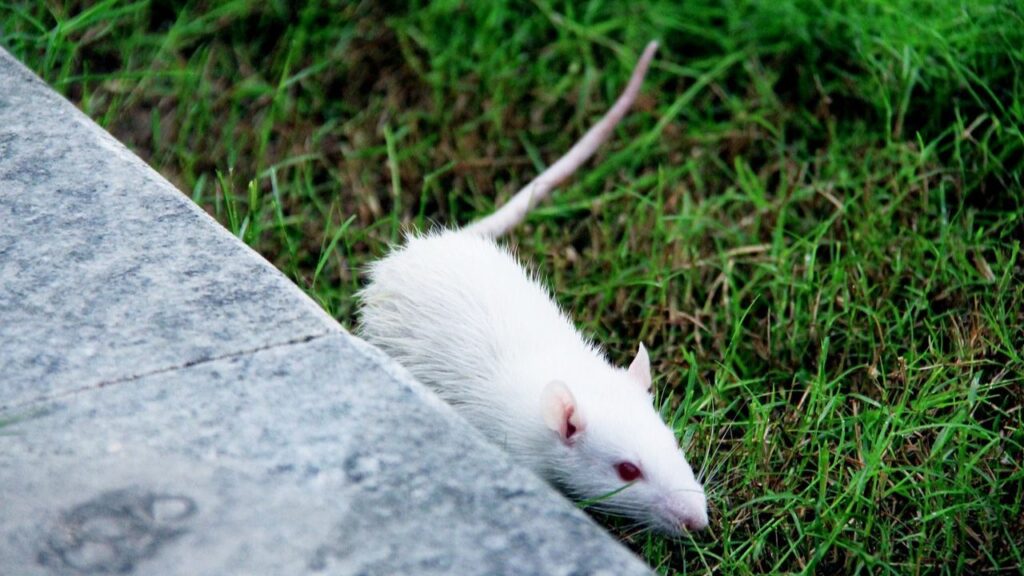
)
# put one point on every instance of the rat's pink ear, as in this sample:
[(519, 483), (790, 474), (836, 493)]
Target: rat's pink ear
[(560, 412), (640, 368)]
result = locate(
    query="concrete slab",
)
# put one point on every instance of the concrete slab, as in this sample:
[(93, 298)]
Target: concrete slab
[(310, 458), (107, 272)]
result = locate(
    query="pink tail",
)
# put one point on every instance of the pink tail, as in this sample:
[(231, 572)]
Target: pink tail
[(515, 210)]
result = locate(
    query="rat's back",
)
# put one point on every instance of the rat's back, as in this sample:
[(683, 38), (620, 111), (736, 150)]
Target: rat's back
[(460, 313), (468, 320)]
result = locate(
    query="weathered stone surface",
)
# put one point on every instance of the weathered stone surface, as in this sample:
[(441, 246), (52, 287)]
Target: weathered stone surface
[(170, 404), (106, 271), (308, 458)]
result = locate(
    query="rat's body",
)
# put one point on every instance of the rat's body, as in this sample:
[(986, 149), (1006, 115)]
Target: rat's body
[(460, 313)]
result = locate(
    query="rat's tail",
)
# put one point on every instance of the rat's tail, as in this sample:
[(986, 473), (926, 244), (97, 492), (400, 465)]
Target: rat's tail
[(515, 210)]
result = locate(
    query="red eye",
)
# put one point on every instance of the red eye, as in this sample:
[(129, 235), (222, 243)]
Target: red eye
[(628, 471)]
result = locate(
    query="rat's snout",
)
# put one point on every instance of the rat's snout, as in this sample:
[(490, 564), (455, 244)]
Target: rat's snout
[(695, 522), (689, 514)]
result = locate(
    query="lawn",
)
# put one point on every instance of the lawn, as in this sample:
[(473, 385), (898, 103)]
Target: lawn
[(813, 219)]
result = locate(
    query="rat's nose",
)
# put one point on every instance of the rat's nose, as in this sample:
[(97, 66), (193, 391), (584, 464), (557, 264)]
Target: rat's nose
[(694, 523), (691, 518), (690, 514)]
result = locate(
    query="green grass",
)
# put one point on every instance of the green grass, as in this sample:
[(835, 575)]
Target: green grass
[(813, 220)]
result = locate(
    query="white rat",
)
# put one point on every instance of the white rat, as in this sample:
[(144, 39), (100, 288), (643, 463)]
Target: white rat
[(460, 313)]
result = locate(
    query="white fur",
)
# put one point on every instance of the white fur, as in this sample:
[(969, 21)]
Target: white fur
[(460, 313)]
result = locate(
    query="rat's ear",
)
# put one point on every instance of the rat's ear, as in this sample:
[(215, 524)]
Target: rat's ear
[(560, 412), (640, 368)]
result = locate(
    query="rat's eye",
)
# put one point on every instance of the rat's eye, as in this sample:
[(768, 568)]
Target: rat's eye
[(628, 471)]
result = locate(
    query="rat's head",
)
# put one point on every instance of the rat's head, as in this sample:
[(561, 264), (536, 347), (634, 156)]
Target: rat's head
[(611, 446)]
